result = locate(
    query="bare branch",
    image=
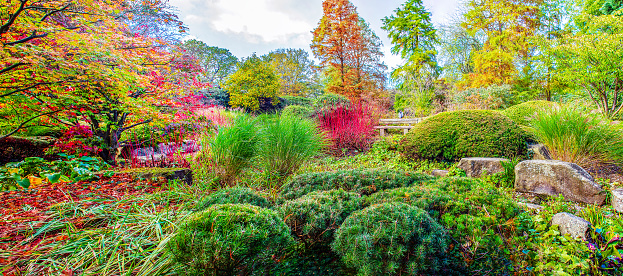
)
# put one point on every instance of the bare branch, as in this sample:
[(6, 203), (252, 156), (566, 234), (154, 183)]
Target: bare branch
[(5, 28), (11, 67), (27, 121), (34, 35)]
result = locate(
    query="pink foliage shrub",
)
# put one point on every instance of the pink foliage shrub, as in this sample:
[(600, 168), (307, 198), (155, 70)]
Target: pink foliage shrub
[(350, 128), (77, 140)]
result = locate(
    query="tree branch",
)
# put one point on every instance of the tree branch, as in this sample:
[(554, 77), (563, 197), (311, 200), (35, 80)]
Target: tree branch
[(5, 28), (34, 35), (11, 67), (25, 122), (137, 124)]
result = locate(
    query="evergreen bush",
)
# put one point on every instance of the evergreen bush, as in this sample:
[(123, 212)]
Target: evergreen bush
[(296, 111), (314, 217), (361, 181), (392, 239), (297, 100), (328, 101), (450, 136), (235, 195), (524, 112), (228, 239)]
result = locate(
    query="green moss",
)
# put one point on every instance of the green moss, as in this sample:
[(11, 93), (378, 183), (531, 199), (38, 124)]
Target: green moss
[(522, 113), (450, 136)]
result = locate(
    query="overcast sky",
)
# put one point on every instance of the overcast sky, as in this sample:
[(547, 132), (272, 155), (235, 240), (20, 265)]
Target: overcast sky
[(260, 26)]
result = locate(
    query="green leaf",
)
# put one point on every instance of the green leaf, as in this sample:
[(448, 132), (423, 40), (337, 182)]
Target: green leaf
[(24, 182), (53, 178)]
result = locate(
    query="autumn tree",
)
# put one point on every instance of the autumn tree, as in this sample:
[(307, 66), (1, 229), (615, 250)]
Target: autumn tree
[(296, 71), (508, 27), (70, 62), (255, 82), (217, 63), (340, 44)]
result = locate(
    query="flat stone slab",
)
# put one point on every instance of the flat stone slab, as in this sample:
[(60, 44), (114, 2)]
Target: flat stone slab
[(573, 225), (553, 178), (476, 166), (440, 173)]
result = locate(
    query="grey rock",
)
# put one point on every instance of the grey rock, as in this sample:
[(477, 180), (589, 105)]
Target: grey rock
[(553, 178), (440, 173), (570, 224), (530, 206), (476, 166), (617, 200), (540, 152)]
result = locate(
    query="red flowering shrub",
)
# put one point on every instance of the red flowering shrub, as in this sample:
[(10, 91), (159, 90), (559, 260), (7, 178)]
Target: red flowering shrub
[(77, 140), (350, 128)]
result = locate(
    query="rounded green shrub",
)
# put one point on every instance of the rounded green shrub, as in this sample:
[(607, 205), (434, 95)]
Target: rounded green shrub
[(363, 182), (235, 195), (450, 136), (480, 218), (523, 112), (392, 239), (296, 111), (297, 100), (329, 101), (314, 217), (225, 238)]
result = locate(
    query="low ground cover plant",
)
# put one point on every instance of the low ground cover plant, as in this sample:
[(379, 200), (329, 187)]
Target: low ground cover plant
[(392, 239), (450, 136), (364, 182)]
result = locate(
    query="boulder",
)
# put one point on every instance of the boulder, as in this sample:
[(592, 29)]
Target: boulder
[(540, 152), (575, 226), (440, 173), (476, 166), (617, 200), (553, 178), (530, 206)]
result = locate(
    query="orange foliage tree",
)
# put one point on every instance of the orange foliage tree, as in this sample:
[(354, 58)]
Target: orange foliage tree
[(348, 50)]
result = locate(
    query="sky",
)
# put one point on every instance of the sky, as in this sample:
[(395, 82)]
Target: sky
[(260, 26)]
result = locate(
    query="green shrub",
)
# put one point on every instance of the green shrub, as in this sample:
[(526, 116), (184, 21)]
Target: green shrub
[(450, 136), (359, 181), (233, 148), (286, 143), (392, 239), (235, 195), (480, 218), (224, 239), (329, 101), (524, 112), (296, 100), (572, 135), (314, 217), (296, 111)]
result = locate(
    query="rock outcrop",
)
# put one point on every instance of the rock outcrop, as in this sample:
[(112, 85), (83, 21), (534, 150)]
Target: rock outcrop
[(476, 166), (553, 178), (575, 226)]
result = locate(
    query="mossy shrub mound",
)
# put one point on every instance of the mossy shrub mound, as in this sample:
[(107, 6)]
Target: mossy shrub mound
[(235, 195), (297, 111), (523, 112), (450, 136)]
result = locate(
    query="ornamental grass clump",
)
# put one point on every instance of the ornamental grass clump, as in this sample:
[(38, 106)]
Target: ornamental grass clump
[(314, 217), (361, 181), (235, 195), (286, 143), (573, 135), (392, 239), (233, 148), (228, 239)]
